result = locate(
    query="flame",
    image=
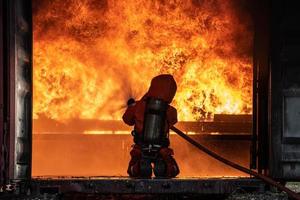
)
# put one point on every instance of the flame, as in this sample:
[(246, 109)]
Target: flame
[(90, 56)]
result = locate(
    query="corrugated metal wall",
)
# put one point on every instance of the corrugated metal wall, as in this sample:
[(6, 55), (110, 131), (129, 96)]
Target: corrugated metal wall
[(285, 91), (16, 90)]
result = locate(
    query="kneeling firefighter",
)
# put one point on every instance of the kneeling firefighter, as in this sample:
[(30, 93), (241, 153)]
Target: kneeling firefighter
[(152, 116)]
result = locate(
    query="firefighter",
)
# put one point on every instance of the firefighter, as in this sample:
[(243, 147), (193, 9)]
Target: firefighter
[(152, 116)]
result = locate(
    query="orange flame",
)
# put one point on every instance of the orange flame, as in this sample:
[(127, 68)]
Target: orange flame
[(90, 56)]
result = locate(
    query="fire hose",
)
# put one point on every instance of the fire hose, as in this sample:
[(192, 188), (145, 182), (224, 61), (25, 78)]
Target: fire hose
[(266, 179)]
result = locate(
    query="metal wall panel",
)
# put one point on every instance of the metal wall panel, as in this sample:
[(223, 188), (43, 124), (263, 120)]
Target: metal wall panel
[(284, 111), (19, 84)]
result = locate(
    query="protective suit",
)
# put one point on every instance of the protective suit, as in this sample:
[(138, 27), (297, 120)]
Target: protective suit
[(152, 116)]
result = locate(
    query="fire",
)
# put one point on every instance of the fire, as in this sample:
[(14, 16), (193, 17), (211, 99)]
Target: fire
[(90, 56)]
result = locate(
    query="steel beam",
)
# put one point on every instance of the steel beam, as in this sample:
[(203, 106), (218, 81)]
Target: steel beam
[(82, 125), (123, 185)]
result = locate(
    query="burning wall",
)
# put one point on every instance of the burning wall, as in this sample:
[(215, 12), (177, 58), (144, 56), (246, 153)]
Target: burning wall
[(90, 56)]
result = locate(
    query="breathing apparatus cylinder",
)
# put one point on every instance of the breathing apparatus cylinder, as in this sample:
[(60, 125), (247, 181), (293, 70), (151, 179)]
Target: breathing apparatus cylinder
[(155, 121)]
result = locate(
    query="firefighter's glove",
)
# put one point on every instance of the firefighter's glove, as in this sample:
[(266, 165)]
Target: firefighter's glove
[(130, 102)]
